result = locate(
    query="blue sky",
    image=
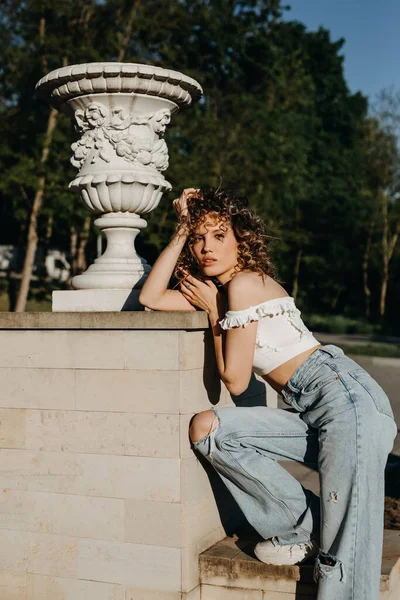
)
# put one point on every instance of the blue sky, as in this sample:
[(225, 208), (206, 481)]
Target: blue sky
[(371, 29)]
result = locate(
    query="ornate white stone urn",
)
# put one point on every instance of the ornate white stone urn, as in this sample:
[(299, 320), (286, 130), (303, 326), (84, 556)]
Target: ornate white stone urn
[(121, 111)]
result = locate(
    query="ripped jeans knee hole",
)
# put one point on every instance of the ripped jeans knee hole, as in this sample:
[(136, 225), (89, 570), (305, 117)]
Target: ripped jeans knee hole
[(209, 437), (327, 566)]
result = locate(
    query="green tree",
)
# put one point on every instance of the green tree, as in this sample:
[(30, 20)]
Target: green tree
[(277, 123), (385, 154)]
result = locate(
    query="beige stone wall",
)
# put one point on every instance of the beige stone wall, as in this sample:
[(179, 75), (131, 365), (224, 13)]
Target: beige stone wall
[(101, 497)]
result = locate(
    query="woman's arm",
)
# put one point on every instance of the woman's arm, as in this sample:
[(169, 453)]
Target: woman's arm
[(234, 349), (155, 293)]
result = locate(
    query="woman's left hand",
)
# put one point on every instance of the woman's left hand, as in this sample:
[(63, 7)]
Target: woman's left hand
[(205, 294)]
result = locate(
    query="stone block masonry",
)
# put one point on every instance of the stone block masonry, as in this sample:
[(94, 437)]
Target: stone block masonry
[(101, 497)]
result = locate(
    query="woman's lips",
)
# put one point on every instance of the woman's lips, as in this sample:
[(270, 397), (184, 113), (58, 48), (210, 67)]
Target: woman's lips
[(208, 261)]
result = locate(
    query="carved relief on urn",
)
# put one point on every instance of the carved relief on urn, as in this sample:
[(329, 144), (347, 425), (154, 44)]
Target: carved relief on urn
[(131, 145), (121, 112)]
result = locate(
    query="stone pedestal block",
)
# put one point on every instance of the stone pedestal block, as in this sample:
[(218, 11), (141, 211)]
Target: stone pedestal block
[(95, 300), (101, 496)]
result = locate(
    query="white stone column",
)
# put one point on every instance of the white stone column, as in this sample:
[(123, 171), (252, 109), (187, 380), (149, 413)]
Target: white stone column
[(121, 112)]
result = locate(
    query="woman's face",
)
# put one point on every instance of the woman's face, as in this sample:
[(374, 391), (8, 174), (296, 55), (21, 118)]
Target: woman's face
[(216, 248)]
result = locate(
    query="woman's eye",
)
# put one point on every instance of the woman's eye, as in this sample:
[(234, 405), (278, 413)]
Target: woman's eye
[(220, 236)]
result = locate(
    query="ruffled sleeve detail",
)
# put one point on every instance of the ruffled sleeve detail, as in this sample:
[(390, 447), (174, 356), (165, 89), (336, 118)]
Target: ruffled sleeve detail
[(239, 318), (270, 308)]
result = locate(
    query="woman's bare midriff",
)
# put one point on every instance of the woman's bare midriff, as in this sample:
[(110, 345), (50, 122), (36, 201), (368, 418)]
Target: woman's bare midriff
[(279, 377)]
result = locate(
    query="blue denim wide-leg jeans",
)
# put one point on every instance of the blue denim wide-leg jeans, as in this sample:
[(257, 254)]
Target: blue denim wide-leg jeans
[(342, 426)]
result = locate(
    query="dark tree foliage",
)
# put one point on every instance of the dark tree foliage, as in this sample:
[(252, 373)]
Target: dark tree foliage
[(277, 123)]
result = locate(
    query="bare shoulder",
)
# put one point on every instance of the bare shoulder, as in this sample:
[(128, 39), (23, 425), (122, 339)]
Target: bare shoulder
[(249, 288)]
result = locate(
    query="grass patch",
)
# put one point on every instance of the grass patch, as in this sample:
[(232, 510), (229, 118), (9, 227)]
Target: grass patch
[(39, 298), (32, 305), (339, 324), (381, 350)]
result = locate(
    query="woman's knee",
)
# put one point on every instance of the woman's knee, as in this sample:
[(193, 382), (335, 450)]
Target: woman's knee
[(202, 425)]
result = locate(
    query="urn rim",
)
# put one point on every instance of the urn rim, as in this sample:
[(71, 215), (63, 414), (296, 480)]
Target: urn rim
[(72, 81)]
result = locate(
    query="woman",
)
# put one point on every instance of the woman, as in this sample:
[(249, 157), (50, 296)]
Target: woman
[(342, 423)]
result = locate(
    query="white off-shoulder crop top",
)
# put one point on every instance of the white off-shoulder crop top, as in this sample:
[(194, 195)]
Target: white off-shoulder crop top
[(281, 333)]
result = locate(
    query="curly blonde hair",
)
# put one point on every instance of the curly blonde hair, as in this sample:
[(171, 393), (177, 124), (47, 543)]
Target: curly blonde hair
[(248, 228)]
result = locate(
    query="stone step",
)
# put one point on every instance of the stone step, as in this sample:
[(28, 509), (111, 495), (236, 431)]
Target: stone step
[(229, 571)]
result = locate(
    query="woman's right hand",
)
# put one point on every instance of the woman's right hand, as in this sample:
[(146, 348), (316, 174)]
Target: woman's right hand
[(180, 204)]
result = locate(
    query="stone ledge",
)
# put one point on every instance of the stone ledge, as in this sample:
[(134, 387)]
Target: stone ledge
[(105, 320), (231, 563)]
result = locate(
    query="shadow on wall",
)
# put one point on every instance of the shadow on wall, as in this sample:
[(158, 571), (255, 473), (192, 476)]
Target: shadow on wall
[(232, 518), (392, 476), (255, 395), (392, 493)]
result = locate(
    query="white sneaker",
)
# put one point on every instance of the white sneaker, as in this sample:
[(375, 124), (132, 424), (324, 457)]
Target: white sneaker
[(273, 554)]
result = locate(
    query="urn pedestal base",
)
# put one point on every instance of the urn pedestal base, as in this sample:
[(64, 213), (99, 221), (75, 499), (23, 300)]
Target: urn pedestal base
[(119, 268), (96, 301)]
